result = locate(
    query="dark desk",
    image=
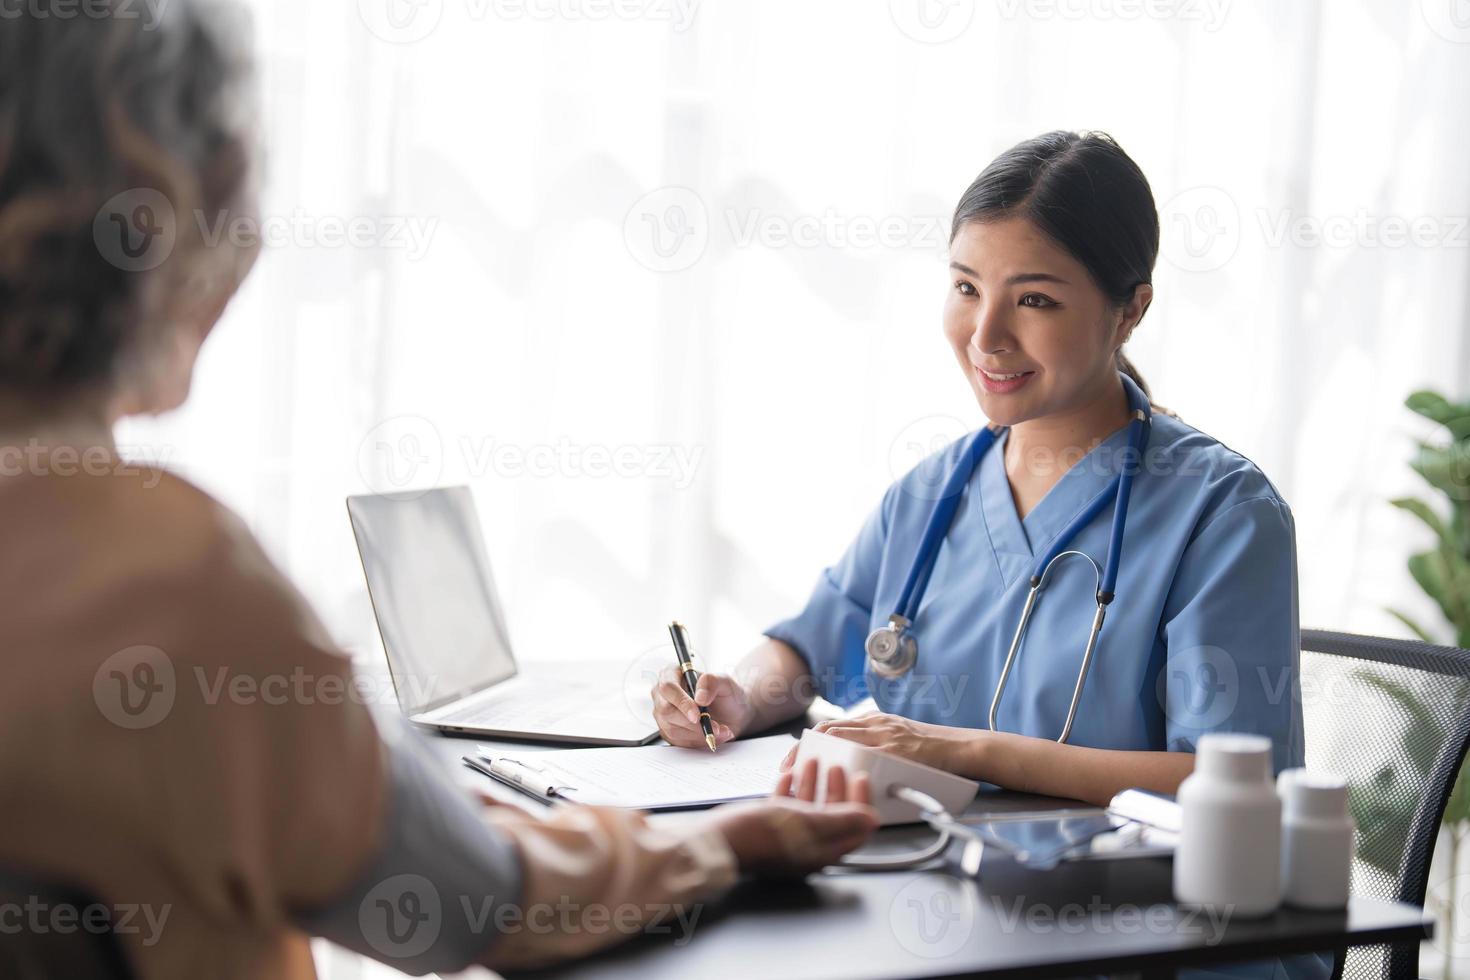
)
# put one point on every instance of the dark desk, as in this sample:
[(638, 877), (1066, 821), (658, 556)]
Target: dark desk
[(1084, 916)]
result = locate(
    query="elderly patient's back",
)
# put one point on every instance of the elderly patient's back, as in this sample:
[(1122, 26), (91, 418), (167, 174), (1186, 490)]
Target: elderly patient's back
[(152, 748)]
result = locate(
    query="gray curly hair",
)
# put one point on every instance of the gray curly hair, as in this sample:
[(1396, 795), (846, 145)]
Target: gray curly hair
[(111, 128)]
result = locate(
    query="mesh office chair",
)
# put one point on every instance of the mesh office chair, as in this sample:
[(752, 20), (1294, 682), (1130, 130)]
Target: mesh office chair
[(65, 950), (1393, 717)]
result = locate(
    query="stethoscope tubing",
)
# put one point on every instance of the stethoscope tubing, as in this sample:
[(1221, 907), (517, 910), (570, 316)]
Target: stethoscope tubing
[(1119, 493)]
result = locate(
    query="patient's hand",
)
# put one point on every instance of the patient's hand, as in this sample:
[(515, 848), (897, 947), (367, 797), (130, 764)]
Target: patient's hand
[(789, 834)]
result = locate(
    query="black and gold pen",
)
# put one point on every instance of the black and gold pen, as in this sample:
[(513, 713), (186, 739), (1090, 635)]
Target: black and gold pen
[(680, 637)]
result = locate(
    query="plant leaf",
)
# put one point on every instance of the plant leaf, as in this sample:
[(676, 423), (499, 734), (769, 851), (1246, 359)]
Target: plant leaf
[(1447, 468), (1438, 578), (1419, 631), (1435, 407), (1423, 732), (1426, 514)]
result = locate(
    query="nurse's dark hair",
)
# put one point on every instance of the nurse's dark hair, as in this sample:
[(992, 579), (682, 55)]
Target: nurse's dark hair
[(121, 120), (1085, 194)]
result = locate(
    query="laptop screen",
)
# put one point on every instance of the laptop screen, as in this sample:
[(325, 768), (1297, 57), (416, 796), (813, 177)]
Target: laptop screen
[(435, 601)]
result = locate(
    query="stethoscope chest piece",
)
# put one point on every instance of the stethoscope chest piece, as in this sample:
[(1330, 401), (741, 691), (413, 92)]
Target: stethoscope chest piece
[(892, 649)]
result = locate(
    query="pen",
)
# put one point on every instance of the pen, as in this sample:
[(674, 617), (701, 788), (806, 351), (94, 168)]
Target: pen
[(691, 678)]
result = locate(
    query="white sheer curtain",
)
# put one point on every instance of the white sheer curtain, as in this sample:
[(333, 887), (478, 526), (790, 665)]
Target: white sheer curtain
[(693, 425), (661, 279)]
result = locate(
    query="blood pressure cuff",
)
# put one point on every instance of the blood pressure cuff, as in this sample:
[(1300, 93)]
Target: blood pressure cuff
[(429, 900)]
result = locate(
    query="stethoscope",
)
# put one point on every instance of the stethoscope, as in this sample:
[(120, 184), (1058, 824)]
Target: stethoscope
[(893, 649)]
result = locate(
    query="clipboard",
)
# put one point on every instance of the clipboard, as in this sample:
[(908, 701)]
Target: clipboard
[(654, 777), (520, 775)]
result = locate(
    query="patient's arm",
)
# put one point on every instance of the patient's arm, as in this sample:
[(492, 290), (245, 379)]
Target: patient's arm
[(452, 884)]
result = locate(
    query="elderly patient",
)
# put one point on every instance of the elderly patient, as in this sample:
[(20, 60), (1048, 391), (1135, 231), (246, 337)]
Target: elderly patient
[(241, 825)]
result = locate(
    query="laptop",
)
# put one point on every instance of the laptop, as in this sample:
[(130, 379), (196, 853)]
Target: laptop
[(446, 640)]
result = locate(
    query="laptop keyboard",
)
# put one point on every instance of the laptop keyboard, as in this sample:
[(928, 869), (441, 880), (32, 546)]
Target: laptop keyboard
[(522, 713)]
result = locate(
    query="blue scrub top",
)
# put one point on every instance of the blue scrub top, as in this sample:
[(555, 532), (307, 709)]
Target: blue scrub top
[(1201, 637)]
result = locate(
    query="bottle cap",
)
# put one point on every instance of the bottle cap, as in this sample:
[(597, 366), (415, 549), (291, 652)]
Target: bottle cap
[(1308, 794), (1234, 757)]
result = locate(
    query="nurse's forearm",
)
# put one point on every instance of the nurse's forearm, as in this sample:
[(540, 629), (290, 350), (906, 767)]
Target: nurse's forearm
[(777, 682), (1038, 765)]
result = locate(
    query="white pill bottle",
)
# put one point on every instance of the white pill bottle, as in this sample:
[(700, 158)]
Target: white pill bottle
[(1316, 839), (1229, 851)]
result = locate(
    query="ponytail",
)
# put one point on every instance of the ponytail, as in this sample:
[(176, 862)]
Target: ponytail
[(1126, 366)]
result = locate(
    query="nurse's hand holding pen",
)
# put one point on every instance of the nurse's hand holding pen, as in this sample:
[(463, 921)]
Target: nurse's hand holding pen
[(677, 714)]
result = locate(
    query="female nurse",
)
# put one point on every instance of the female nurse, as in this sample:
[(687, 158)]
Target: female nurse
[(1052, 253)]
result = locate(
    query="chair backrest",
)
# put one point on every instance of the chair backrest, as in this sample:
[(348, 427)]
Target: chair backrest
[(55, 931), (1393, 717)]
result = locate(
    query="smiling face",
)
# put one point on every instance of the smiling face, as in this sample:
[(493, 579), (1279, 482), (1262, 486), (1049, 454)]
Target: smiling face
[(1032, 331)]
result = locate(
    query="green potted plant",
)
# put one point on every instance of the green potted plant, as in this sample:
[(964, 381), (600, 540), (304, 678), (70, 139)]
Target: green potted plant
[(1443, 572)]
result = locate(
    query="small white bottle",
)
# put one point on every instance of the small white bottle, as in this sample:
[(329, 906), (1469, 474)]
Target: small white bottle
[(1316, 839), (1229, 851)]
